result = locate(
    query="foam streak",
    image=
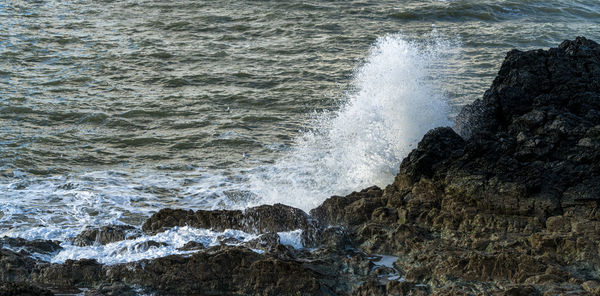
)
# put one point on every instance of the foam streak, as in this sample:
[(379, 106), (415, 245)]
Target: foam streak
[(393, 103)]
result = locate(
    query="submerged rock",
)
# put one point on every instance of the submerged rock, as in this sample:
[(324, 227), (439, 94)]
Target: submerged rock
[(38, 246), (103, 235)]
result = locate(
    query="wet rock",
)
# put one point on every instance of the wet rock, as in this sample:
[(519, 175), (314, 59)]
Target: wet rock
[(112, 290), (266, 241), (103, 235), (31, 246), (228, 270), (17, 267), (506, 201), (143, 246), (84, 272), (335, 237), (192, 246), (521, 291), (592, 287), (261, 219), (353, 209), (22, 289)]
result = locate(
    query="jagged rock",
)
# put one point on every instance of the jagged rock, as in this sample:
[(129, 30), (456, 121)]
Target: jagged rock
[(112, 290), (17, 267), (22, 289), (521, 291), (34, 246), (61, 277), (232, 270), (592, 287), (261, 219), (192, 246), (103, 235), (507, 201), (264, 242), (353, 209), (143, 246)]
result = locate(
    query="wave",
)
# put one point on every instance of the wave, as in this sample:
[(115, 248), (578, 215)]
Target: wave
[(393, 101)]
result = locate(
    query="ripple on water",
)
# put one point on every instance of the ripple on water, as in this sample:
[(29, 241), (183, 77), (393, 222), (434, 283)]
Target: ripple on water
[(112, 110)]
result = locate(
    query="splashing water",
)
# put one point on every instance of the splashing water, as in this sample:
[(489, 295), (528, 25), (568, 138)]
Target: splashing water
[(394, 99), (393, 103)]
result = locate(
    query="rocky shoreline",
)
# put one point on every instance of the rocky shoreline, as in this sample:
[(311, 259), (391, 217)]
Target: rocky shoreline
[(506, 203)]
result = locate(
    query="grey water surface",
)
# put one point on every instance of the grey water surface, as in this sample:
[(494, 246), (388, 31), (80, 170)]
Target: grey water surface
[(111, 110)]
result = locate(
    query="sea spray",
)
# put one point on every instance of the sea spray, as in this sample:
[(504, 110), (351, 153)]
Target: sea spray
[(393, 101)]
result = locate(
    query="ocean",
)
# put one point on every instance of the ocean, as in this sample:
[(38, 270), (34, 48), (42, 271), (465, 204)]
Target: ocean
[(112, 110)]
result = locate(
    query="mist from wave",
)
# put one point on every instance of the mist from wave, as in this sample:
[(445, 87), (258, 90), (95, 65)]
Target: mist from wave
[(393, 101)]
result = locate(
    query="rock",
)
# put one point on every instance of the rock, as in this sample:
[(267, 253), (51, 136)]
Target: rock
[(22, 289), (436, 147), (192, 246), (17, 267), (112, 290), (34, 246), (521, 291), (261, 219), (231, 270), (71, 274), (265, 242), (336, 210), (592, 287), (143, 246), (103, 235), (509, 198)]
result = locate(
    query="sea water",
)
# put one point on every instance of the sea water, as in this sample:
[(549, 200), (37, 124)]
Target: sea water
[(112, 110)]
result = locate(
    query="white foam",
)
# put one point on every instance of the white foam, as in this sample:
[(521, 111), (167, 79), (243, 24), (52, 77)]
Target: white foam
[(387, 261), (393, 103), (291, 238), (133, 250), (59, 207)]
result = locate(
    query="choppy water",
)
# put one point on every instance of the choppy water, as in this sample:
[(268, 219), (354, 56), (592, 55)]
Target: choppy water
[(111, 110)]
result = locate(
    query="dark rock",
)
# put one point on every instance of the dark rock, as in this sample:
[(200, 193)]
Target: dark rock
[(507, 201), (17, 267), (592, 287), (266, 242), (34, 246), (22, 289), (103, 235), (261, 219), (144, 246), (192, 246), (521, 291), (84, 272), (231, 270), (353, 209), (436, 147), (112, 290)]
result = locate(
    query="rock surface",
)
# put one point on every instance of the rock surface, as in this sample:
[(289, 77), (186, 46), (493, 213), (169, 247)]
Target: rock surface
[(261, 219), (509, 205), (103, 235)]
